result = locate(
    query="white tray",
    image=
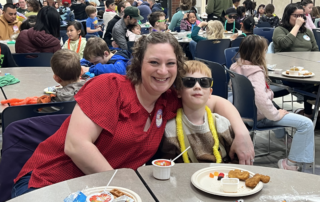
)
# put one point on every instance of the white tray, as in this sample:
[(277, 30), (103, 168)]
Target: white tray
[(202, 181)]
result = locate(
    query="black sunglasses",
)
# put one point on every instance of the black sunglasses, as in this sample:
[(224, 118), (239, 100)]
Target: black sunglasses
[(204, 82), (232, 16)]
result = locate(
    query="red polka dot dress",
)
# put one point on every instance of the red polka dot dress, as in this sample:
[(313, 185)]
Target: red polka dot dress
[(110, 101)]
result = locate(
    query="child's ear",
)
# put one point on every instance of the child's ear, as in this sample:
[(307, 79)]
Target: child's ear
[(57, 79), (79, 32), (106, 53)]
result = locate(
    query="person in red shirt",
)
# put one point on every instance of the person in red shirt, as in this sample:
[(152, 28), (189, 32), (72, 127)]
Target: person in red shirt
[(119, 121)]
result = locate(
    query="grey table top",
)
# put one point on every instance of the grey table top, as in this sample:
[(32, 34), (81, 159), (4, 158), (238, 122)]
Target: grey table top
[(283, 185), (125, 178), (285, 62), (311, 56)]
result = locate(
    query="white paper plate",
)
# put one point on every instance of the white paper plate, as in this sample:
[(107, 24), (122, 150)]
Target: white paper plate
[(202, 181), (90, 191), (46, 90), (298, 76), (228, 32)]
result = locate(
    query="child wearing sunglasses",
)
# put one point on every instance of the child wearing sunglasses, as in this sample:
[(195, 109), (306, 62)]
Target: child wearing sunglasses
[(231, 24), (208, 134), (252, 64), (190, 21)]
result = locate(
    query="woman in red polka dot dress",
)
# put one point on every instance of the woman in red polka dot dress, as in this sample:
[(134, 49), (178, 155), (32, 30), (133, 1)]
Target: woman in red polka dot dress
[(119, 121)]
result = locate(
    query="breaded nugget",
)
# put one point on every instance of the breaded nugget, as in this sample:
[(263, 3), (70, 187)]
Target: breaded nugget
[(241, 175), (252, 182), (263, 178), (117, 193)]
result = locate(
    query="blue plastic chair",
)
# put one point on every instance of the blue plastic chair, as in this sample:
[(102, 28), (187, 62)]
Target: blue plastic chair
[(11, 114), (32, 59), (244, 102), (145, 31), (229, 54), (236, 42), (265, 32), (263, 24), (88, 36), (316, 33), (218, 74), (212, 50), (130, 45)]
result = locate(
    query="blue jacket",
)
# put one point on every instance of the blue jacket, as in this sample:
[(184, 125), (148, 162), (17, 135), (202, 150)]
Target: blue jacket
[(116, 64), (145, 11), (156, 7)]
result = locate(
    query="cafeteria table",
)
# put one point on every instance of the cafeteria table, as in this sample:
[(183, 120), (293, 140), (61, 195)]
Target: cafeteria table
[(125, 178), (311, 56), (284, 185)]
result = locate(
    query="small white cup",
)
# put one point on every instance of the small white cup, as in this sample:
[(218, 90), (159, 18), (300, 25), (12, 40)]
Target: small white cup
[(161, 172), (230, 185), (293, 73), (239, 32)]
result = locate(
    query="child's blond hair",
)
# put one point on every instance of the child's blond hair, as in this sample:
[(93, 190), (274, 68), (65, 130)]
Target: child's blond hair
[(215, 30), (193, 66)]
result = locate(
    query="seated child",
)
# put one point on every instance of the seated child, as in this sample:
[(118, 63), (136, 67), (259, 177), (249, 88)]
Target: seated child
[(247, 26), (252, 64), (188, 23), (92, 21), (208, 134), (76, 41), (109, 14), (98, 59), (157, 20), (45, 3), (66, 68), (133, 32), (241, 14), (79, 10), (66, 15), (270, 17), (6, 59), (231, 24)]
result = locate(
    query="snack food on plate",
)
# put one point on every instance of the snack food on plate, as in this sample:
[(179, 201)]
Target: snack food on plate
[(252, 182), (241, 175), (162, 163), (117, 193), (100, 197), (294, 69)]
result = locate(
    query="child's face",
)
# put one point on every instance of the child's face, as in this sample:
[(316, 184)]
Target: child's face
[(231, 18), (99, 59), (45, 3), (197, 96), (93, 15), (72, 33), (161, 24), (137, 30), (112, 7), (261, 10), (29, 7), (308, 8), (192, 18)]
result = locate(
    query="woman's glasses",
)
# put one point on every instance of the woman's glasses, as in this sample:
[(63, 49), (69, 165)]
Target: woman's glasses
[(232, 16), (204, 82), (298, 15)]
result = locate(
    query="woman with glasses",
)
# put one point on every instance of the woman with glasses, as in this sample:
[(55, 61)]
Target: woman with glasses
[(119, 121), (292, 35)]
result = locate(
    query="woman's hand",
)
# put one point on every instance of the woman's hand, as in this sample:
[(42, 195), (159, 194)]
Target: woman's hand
[(299, 21), (282, 113), (234, 36), (202, 24)]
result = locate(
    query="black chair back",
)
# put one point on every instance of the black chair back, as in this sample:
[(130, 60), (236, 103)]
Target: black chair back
[(218, 74), (243, 97), (316, 33), (130, 45), (263, 24), (236, 42), (212, 50), (11, 114), (32, 59)]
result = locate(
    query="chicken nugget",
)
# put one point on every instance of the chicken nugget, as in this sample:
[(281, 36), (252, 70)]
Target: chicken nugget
[(265, 178), (232, 174), (252, 182), (241, 175)]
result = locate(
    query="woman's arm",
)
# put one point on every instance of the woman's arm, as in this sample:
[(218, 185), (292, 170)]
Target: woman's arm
[(195, 31), (282, 40), (79, 144), (242, 144)]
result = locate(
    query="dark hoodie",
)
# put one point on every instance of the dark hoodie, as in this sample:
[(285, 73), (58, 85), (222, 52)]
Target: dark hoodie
[(117, 64), (273, 20), (32, 41), (156, 7), (145, 11)]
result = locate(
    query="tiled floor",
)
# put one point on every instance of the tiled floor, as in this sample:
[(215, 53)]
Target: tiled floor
[(277, 149)]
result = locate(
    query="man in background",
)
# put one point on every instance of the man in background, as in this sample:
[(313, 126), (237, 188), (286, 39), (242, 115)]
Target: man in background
[(9, 24), (216, 9), (22, 6)]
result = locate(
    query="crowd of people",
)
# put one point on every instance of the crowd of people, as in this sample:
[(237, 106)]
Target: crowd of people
[(140, 97)]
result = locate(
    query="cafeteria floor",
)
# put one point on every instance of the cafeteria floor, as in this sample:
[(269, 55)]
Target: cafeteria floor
[(277, 147)]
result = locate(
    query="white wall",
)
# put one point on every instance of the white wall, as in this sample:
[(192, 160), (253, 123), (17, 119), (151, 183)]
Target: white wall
[(3, 2)]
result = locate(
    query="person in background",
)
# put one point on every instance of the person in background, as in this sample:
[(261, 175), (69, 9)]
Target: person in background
[(145, 10), (185, 7), (22, 7), (241, 13), (216, 9), (133, 32), (28, 23), (236, 3), (98, 59), (66, 69), (108, 35), (154, 6), (158, 21), (33, 7), (249, 5), (0, 9), (315, 14), (79, 10), (45, 3), (307, 6), (44, 37), (51, 3), (109, 14), (6, 57), (131, 17), (94, 3), (189, 22), (76, 42), (92, 21), (214, 30), (231, 24), (252, 64), (66, 15), (247, 27), (260, 11), (9, 24), (270, 17)]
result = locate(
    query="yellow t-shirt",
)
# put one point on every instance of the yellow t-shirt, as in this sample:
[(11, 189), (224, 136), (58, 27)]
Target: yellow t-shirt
[(27, 14)]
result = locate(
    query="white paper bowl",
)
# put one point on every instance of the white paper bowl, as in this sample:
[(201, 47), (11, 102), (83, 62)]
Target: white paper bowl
[(230, 185), (161, 172)]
